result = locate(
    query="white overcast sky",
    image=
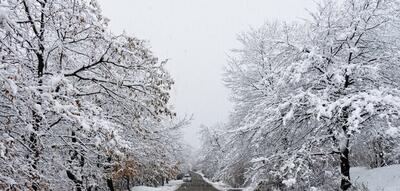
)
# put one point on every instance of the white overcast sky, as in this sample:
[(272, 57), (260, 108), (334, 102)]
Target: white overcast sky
[(197, 36)]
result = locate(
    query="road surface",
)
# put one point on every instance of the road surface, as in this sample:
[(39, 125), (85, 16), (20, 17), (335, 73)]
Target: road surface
[(197, 184)]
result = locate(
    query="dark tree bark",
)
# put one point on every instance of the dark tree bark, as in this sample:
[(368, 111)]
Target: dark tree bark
[(128, 186), (37, 119), (345, 168), (77, 182), (345, 183), (378, 148), (344, 154), (74, 156), (110, 183)]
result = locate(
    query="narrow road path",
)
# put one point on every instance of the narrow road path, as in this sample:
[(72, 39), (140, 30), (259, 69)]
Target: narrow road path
[(197, 184)]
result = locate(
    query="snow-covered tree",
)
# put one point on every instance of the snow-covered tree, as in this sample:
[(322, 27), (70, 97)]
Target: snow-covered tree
[(76, 100), (306, 92), (211, 151)]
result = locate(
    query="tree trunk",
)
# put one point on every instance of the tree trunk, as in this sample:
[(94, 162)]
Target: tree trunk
[(75, 179), (110, 184), (74, 156), (345, 169), (344, 153), (37, 120), (34, 146), (128, 186), (34, 140)]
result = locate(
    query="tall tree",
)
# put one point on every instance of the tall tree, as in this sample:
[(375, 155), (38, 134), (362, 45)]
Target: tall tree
[(304, 92), (74, 98)]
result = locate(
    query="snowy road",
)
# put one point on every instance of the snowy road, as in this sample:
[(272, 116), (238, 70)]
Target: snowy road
[(197, 184)]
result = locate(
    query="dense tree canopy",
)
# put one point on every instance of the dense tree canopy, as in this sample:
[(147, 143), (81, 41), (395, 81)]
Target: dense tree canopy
[(305, 93), (80, 106)]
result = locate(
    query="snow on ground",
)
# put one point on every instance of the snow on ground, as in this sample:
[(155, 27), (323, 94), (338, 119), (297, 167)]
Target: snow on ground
[(220, 185), (171, 186), (378, 179)]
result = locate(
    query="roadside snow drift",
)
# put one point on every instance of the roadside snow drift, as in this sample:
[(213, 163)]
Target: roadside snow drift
[(171, 186), (378, 179)]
